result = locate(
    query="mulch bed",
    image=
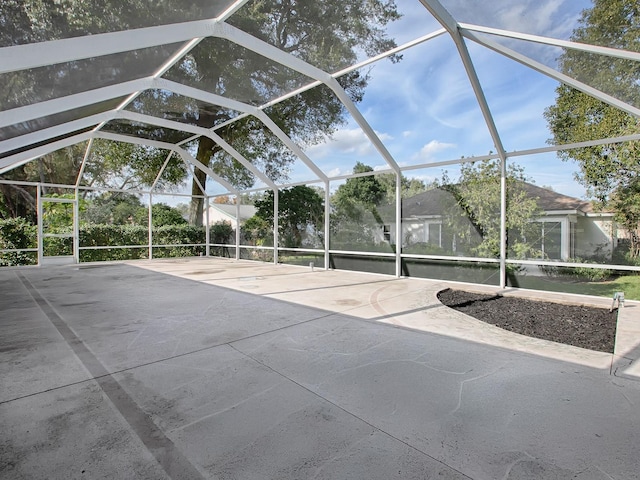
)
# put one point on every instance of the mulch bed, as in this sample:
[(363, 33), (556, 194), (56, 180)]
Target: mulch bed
[(581, 326)]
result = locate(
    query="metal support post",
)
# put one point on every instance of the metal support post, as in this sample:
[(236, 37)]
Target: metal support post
[(76, 227), (503, 223), (276, 195), (208, 227), (327, 224), (398, 232), (40, 222), (150, 226), (238, 200)]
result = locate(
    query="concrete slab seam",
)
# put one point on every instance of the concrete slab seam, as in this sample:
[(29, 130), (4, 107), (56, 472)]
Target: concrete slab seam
[(316, 394), (170, 458), (161, 360)]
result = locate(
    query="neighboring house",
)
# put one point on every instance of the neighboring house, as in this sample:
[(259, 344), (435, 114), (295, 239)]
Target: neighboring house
[(222, 212), (569, 228)]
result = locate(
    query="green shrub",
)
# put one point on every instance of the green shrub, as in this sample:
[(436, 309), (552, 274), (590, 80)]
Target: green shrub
[(15, 234), (622, 254), (99, 235), (424, 248), (92, 235), (581, 274), (369, 246), (178, 234), (110, 254), (221, 232), (257, 232)]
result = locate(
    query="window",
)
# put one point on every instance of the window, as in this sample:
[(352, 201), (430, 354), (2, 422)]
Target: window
[(386, 233), (434, 230), (552, 240)]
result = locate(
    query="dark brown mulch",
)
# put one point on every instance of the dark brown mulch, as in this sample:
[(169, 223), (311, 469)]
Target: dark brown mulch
[(581, 326)]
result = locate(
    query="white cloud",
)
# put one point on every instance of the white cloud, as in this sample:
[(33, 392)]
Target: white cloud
[(429, 93), (338, 172), (378, 168), (349, 141), (428, 150), (426, 179), (542, 17)]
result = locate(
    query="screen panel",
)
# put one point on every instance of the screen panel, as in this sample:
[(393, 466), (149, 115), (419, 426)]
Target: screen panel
[(549, 18), (54, 81), (31, 21), (171, 106), (222, 67), (49, 121)]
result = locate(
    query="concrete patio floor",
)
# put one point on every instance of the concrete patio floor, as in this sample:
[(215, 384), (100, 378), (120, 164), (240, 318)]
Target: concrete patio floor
[(213, 368)]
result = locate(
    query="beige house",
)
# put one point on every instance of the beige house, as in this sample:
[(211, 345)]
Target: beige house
[(568, 229)]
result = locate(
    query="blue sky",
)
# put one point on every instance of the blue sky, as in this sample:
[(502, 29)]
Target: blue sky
[(424, 110)]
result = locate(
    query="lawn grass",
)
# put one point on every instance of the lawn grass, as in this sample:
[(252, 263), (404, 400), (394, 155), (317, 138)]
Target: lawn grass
[(629, 284)]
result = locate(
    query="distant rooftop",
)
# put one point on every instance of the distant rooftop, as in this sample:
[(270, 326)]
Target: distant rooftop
[(431, 202), (246, 211)]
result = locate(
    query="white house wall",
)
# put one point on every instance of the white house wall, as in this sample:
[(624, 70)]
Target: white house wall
[(413, 232), (218, 216), (594, 237)]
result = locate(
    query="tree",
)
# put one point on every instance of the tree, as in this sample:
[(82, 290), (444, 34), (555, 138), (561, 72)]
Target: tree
[(223, 200), (359, 194), (408, 186), (162, 215), (472, 212), (347, 28), (294, 28), (610, 172), (356, 217), (126, 166), (111, 164), (258, 231), (17, 201), (120, 208), (117, 208), (300, 214), (60, 167)]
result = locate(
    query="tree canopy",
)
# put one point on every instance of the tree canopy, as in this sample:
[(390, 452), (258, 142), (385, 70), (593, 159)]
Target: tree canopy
[(215, 65), (611, 171), (292, 27), (359, 195), (300, 215), (356, 218), (120, 208), (473, 210)]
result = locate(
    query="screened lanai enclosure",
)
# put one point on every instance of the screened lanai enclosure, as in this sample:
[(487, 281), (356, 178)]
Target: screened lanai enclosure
[(485, 142)]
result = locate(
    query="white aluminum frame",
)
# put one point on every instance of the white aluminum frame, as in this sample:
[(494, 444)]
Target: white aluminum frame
[(29, 56)]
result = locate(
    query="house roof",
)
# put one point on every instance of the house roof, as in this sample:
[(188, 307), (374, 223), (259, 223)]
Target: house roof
[(549, 200), (433, 202), (246, 211), (427, 203)]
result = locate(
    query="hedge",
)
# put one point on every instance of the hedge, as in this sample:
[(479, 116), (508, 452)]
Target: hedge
[(93, 235), (16, 234)]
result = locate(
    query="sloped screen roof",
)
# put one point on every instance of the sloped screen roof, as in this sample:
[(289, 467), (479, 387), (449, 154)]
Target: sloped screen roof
[(166, 74)]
